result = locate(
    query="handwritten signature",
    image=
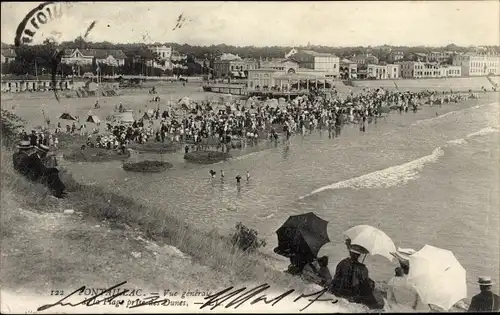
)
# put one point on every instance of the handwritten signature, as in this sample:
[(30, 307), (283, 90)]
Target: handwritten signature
[(89, 301), (240, 296), (232, 298)]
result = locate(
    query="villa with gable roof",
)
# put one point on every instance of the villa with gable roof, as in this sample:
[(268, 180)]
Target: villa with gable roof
[(86, 56)]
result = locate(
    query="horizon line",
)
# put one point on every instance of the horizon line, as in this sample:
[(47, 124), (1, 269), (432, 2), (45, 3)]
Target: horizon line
[(264, 46)]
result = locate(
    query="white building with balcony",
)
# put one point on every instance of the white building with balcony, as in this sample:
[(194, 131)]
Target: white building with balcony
[(473, 64), (163, 52)]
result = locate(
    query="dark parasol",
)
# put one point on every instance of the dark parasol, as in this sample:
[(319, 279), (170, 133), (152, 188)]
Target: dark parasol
[(302, 235)]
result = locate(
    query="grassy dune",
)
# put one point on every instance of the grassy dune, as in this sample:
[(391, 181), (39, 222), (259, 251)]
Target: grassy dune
[(43, 248), (226, 264)]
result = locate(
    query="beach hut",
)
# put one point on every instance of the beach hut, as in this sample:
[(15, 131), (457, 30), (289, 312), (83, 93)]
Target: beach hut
[(185, 107), (185, 101), (273, 103), (93, 119), (125, 118), (67, 116), (147, 115)]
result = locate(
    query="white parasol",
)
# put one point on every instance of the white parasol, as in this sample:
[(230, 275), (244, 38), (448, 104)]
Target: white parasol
[(437, 276), (374, 240)]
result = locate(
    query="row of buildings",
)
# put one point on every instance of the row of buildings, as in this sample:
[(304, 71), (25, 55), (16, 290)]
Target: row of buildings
[(230, 65), (161, 57), (363, 66)]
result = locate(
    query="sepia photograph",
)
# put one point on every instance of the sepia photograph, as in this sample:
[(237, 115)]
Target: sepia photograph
[(250, 157)]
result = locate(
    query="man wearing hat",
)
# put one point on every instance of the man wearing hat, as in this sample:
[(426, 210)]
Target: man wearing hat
[(19, 157), (35, 167), (486, 301), (33, 138), (48, 160)]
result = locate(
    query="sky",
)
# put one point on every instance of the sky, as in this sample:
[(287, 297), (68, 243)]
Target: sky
[(408, 23)]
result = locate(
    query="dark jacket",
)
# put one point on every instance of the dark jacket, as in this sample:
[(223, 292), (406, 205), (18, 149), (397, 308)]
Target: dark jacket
[(19, 162), (486, 301), (35, 167), (49, 161), (349, 279)]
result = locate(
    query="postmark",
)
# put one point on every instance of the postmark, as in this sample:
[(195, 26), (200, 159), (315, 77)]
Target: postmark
[(34, 23), (36, 18)]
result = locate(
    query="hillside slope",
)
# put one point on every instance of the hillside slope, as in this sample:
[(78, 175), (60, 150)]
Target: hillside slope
[(44, 249)]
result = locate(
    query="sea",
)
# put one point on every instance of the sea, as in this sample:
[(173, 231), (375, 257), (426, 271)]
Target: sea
[(430, 177)]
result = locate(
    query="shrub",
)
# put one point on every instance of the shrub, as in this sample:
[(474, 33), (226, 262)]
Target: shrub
[(10, 125), (246, 239)]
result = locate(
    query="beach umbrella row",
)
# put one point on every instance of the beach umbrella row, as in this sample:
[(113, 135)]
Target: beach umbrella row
[(435, 273)]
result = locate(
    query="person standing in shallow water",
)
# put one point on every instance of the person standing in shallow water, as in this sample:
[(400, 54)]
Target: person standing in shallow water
[(486, 301), (248, 176), (238, 179), (221, 175), (212, 174)]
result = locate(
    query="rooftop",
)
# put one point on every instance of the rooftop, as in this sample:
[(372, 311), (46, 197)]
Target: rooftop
[(275, 60), (9, 53), (41, 77), (229, 56), (298, 76), (345, 60), (318, 54), (97, 53), (264, 70)]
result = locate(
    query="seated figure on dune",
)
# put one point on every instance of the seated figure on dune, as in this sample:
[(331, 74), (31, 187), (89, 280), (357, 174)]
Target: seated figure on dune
[(33, 167), (19, 157), (50, 174), (351, 280), (399, 291)]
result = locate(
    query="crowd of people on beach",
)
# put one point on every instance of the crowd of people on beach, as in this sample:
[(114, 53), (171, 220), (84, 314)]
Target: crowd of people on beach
[(247, 123), (205, 125), (236, 124)]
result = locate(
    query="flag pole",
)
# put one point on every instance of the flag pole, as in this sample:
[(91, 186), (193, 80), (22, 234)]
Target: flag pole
[(98, 71)]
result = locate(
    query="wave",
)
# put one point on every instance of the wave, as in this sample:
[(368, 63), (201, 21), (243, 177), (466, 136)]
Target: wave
[(483, 132), (267, 216), (457, 141), (389, 177), (429, 120)]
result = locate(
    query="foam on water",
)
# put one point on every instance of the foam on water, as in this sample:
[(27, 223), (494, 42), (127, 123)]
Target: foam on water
[(437, 118), (429, 120), (457, 141), (483, 132), (391, 176), (267, 216)]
